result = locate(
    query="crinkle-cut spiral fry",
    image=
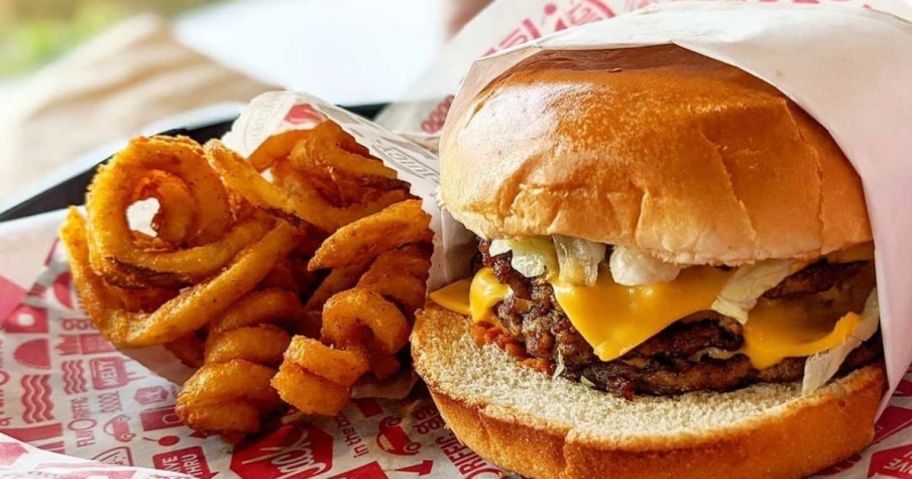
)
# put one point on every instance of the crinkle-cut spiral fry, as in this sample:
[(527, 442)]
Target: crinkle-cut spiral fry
[(229, 397), (188, 311), (304, 204), (398, 224), (364, 330), (206, 223)]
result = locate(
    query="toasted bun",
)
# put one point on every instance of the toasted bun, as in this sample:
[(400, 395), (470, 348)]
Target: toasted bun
[(524, 421), (656, 148)]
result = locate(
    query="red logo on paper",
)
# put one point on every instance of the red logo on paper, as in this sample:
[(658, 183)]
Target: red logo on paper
[(74, 381), (191, 460), (88, 343), (35, 434), (368, 407), (393, 439), (150, 395), (34, 354), (159, 418), (26, 319), (303, 113), (893, 420), (120, 456), (423, 468), (291, 452), (109, 373), (63, 290), (119, 428), (36, 398), (10, 452), (434, 121), (904, 389), (896, 462), (371, 470)]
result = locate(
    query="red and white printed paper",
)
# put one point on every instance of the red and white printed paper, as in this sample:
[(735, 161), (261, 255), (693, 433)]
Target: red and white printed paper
[(64, 390)]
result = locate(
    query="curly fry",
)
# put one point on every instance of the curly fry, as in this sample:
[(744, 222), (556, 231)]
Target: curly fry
[(182, 315), (125, 257), (229, 397), (261, 344), (398, 224), (304, 205), (312, 369), (244, 333), (337, 280), (276, 147), (331, 153), (347, 314), (400, 276), (188, 349)]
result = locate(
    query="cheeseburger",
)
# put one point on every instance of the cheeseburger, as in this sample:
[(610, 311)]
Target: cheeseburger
[(674, 275)]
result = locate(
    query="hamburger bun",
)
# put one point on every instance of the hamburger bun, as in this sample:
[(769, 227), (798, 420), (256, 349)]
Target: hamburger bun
[(656, 148), (540, 427)]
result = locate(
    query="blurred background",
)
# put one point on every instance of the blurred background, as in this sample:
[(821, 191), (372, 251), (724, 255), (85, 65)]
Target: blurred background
[(76, 74)]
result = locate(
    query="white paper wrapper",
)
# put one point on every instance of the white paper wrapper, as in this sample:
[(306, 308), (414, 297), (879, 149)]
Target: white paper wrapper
[(507, 23), (849, 67)]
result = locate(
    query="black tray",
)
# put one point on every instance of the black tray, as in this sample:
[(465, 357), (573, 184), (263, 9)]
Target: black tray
[(72, 190)]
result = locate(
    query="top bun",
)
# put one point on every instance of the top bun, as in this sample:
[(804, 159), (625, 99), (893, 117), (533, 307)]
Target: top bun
[(656, 148)]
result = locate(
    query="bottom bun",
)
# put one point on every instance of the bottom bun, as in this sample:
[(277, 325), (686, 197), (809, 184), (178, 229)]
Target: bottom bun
[(523, 421)]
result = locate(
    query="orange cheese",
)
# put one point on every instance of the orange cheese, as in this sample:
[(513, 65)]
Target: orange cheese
[(614, 318)]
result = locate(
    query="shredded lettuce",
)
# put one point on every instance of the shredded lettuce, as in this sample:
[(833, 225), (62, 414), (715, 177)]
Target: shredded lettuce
[(745, 287), (578, 259), (531, 256), (820, 368), (631, 267)]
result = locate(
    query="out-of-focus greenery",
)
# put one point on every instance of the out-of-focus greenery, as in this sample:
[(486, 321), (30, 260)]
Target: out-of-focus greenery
[(33, 32)]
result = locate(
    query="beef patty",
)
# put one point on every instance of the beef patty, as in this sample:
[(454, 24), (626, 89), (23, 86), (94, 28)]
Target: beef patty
[(695, 353)]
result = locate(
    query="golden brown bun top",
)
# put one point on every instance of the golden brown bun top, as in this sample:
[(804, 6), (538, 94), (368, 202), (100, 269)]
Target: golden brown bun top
[(657, 148)]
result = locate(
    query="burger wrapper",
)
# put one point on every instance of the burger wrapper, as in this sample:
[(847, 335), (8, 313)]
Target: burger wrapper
[(65, 390), (847, 66)]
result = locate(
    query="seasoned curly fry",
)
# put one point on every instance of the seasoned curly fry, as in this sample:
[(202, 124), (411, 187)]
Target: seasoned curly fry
[(188, 349), (330, 153), (347, 314), (228, 397), (337, 280), (246, 332), (187, 312), (276, 147), (220, 282), (264, 306), (364, 330), (261, 344), (398, 224), (305, 204), (400, 276), (131, 259)]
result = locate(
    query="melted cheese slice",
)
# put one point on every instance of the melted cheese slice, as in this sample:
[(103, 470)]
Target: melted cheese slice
[(614, 319), (775, 331)]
